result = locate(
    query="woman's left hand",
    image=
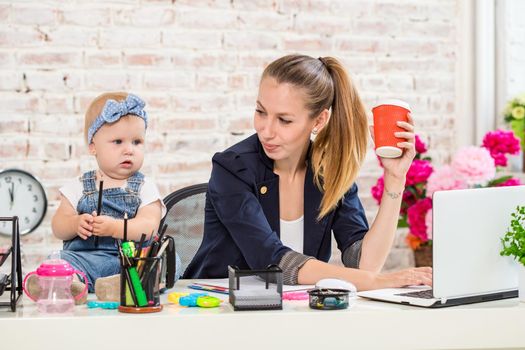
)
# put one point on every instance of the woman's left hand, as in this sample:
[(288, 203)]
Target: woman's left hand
[(398, 167)]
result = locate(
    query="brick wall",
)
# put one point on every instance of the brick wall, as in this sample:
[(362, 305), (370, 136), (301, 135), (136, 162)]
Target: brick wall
[(197, 64)]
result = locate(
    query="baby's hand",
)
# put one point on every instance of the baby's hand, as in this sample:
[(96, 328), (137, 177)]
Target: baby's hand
[(85, 222), (103, 225)]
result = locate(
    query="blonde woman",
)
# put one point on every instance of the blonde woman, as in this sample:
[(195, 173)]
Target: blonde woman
[(276, 197)]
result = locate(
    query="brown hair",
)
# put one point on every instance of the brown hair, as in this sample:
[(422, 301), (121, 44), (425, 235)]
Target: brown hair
[(340, 147), (95, 107)]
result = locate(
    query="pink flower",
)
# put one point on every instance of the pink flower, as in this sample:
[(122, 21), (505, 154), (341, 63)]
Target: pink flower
[(444, 179), (500, 143), (377, 189), (419, 171), (428, 222), (475, 165), (416, 218), (510, 182), (421, 147), (500, 159)]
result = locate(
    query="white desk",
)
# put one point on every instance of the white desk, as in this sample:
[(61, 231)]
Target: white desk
[(366, 324)]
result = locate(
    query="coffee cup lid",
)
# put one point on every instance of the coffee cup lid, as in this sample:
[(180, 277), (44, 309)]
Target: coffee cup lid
[(394, 102)]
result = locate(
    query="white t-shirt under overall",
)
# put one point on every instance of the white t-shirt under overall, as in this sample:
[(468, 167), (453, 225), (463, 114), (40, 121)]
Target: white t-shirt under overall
[(292, 234), (149, 193)]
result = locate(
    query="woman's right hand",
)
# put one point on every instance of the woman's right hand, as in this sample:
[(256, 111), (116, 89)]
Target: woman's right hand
[(403, 278)]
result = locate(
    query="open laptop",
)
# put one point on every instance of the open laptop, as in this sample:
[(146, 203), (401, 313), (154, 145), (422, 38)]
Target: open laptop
[(467, 266)]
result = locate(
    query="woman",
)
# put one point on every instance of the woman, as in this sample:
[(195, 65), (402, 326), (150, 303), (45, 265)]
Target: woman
[(275, 197)]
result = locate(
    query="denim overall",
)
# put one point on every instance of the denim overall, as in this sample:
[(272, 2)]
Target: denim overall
[(103, 260)]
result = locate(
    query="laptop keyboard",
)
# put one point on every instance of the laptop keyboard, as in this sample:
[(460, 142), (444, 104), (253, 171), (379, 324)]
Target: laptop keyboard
[(423, 294)]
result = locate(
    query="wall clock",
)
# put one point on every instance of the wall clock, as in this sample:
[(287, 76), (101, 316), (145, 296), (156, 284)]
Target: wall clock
[(22, 195)]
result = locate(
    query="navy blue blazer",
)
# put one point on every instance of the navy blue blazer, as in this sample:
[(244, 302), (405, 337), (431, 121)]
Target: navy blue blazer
[(242, 215)]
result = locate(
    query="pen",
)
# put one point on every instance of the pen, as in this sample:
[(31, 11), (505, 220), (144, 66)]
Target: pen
[(163, 231), (209, 289), (99, 205), (141, 242), (162, 248), (210, 285)]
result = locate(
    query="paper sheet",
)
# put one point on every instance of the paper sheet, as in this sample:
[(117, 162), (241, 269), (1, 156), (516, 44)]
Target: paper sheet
[(252, 282)]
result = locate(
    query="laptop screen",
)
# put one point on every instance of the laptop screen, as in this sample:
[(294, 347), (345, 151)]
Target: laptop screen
[(467, 228)]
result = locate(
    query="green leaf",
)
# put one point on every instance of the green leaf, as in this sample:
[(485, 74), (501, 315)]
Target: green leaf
[(402, 222), (498, 181)]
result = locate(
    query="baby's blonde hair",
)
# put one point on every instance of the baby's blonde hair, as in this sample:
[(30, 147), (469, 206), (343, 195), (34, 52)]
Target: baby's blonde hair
[(96, 106)]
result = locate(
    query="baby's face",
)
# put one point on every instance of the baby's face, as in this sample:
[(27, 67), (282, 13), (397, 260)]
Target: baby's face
[(119, 147)]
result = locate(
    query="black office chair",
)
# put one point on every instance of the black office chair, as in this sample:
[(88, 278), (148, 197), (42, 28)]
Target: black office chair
[(185, 220)]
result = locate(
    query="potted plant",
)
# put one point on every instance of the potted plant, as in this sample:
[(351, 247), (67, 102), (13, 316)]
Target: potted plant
[(514, 245)]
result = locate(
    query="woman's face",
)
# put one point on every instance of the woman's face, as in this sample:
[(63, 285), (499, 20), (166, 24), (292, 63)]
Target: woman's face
[(281, 120)]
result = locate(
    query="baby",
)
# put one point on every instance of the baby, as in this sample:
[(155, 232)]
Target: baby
[(115, 129)]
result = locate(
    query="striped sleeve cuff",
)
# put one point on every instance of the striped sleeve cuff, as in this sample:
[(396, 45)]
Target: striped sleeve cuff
[(352, 255), (290, 263)]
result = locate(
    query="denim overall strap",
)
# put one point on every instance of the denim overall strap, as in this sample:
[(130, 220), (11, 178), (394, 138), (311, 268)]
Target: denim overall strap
[(88, 182)]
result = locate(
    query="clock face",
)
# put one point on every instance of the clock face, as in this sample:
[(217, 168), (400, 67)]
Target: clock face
[(22, 195)]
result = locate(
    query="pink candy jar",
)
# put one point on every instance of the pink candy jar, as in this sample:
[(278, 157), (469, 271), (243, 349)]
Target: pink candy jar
[(54, 279)]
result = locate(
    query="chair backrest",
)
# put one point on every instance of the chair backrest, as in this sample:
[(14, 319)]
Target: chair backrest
[(185, 220)]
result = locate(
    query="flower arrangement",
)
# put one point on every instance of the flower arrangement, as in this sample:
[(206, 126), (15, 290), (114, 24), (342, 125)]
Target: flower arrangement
[(471, 167), (515, 116)]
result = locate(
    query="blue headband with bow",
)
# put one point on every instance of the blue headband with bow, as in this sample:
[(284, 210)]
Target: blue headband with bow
[(114, 110)]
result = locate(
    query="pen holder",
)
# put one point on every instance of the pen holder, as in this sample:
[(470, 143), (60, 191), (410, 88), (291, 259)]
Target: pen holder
[(139, 286)]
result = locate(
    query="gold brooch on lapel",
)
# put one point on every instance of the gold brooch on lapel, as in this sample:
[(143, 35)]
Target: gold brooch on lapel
[(264, 189)]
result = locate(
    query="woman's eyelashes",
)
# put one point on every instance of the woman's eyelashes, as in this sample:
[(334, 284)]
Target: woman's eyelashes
[(281, 119)]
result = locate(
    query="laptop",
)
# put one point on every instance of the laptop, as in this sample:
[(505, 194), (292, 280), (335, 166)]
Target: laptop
[(467, 266)]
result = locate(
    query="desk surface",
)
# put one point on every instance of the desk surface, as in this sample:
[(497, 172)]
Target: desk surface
[(366, 324)]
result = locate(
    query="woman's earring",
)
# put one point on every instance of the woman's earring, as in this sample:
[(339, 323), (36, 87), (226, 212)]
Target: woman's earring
[(314, 131)]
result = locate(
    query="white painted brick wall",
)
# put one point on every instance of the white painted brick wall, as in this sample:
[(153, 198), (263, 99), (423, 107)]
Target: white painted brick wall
[(197, 64)]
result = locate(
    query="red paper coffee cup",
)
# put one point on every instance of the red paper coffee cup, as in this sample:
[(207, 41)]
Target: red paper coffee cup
[(386, 115)]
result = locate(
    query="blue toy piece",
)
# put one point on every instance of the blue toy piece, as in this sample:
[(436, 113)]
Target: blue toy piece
[(108, 305), (191, 300)]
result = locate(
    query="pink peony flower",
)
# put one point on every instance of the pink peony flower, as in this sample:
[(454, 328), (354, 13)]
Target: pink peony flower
[(377, 189), (428, 223), (475, 165), (500, 159), (444, 179), (419, 171), (510, 182), (421, 147), (416, 218), (500, 143)]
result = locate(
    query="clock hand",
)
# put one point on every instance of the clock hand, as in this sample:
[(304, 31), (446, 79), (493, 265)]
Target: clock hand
[(12, 192), (12, 195)]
